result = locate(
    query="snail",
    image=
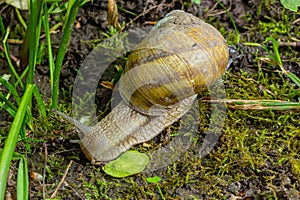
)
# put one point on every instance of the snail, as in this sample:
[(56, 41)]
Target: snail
[(179, 57)]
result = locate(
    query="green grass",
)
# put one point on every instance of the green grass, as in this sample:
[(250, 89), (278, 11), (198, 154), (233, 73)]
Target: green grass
[(22, 110), (12, 139)]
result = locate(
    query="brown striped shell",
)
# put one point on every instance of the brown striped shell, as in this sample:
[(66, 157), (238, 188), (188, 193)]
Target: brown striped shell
[(179, 57)]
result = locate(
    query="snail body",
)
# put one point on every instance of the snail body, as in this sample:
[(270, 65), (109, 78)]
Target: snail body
[(180, 57)]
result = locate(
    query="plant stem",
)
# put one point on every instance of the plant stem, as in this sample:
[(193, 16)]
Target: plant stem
[(7, 55), (31, 39), (50, 55), (160, 192)]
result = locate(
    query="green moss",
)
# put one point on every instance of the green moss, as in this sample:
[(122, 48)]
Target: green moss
[(278, 27), (264, 4)]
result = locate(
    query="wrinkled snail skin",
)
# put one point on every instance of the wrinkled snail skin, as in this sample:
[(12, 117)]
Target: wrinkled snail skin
[(124, 127), (181, 56)]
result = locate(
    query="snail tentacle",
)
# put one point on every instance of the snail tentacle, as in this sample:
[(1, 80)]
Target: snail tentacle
[(81, 126)]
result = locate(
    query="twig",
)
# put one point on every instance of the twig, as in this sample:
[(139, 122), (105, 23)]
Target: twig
[(142, 14), (62, 180), (14, 41), (287, 44), (296, 21), (161, 6), (79, 195), (211, 13)]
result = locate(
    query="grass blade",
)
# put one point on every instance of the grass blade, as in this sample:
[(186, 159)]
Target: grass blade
[(276, 58), (40, 102), (258, 104), (22, 180), (294, 78), (12, 109), (32, 36), (2, 27), (11, 89), (8, 103), (237, 33), (47, 33), (21, 19), (13, 72), (12, 138), (62, 50), (276, 55)]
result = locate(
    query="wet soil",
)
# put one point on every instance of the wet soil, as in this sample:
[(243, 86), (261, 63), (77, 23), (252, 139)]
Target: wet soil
[(84, 181)]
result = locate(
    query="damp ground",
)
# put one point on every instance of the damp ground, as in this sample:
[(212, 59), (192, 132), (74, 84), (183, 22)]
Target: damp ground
[(256, 155)]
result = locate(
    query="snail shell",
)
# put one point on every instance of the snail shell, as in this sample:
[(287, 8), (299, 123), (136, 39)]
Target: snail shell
[(181, 56), (178, 58)]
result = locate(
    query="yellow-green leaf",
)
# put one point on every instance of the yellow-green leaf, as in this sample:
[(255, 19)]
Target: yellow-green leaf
[(129, 163), (291, 4)]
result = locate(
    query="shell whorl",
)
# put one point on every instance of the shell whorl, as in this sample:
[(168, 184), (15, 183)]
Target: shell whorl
[(181, 56)]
